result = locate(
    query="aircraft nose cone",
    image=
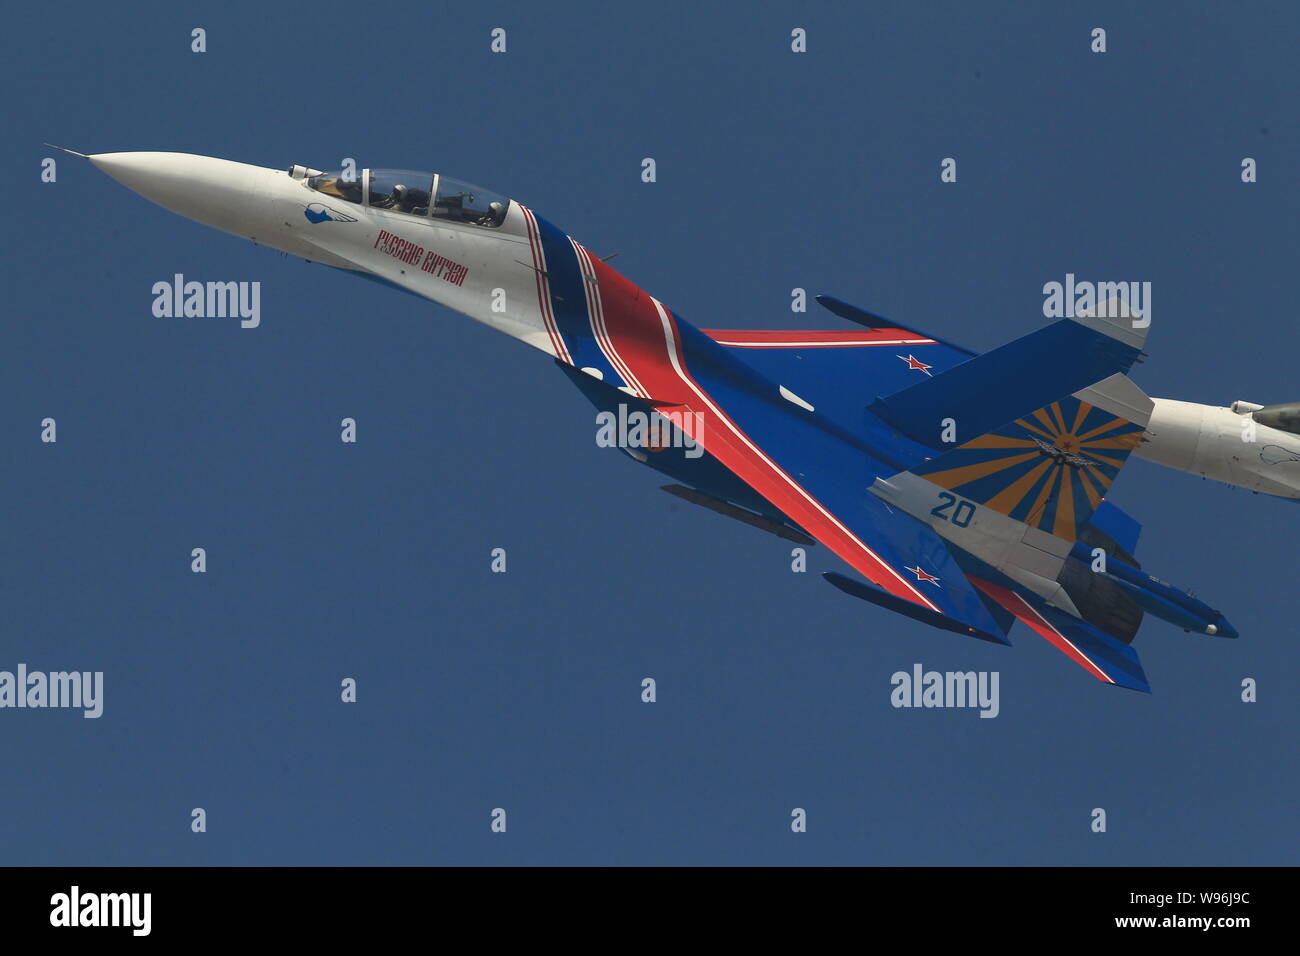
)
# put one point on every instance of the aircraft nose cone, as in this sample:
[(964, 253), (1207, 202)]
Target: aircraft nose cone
[(216, 192)]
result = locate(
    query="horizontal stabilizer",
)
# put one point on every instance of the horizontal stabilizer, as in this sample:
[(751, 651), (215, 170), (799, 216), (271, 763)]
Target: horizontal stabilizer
[(882, 598), (1104, 657), (742, 515), (994, 388)]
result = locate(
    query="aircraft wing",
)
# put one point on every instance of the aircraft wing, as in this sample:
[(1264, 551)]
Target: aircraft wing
[(814, 471), (833, 368), (899, 554), (814, 478), (818, 365)]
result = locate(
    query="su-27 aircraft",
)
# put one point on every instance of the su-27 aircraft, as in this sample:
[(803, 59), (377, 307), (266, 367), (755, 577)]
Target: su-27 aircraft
[(967, 490)]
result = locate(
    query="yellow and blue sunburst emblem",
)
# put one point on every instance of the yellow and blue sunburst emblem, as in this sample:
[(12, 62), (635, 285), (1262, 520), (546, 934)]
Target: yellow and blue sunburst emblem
[(1049, 469)]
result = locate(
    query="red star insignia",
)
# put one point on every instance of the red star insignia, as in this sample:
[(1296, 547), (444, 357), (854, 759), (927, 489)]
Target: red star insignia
[(916, 364), (923, 575)]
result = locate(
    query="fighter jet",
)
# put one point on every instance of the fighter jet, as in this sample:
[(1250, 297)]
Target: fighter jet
[(966, 491), (1244, 444)]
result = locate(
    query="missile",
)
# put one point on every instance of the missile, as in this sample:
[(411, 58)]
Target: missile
[(1159, 597)]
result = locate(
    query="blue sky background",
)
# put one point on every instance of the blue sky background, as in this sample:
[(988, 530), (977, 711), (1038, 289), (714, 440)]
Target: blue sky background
[(521, 690)]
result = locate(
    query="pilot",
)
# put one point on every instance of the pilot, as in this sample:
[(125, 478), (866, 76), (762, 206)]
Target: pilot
[(495, 215), (404, 199), (412, 200)]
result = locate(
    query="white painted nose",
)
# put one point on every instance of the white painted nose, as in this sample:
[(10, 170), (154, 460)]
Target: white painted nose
[(215, 192)]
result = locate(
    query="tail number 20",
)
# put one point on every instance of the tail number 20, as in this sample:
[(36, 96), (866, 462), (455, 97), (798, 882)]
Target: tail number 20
[(960, 516)]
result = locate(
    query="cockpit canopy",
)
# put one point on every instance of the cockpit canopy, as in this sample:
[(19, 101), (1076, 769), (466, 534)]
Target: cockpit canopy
[(427, 195)]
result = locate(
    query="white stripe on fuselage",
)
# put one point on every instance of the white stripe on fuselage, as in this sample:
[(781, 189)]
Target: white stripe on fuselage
[(596, 314), (544, 286)]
